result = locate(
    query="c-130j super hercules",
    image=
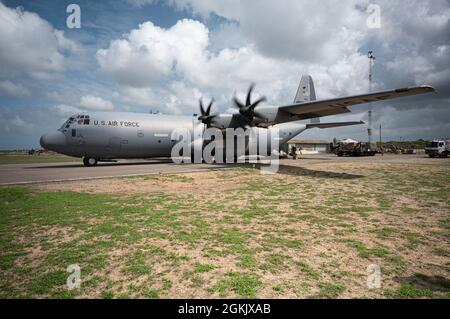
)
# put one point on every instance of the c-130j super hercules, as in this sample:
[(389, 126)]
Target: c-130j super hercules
[(111, 135)]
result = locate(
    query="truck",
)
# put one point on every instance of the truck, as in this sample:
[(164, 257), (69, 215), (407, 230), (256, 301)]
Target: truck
[(353, 148), (438, 148)]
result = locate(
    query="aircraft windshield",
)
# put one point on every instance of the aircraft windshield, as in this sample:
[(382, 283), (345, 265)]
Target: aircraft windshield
[(67, 123), (79, 119)]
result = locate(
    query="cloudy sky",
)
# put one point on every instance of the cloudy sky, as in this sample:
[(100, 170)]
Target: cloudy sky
[(142, 55)]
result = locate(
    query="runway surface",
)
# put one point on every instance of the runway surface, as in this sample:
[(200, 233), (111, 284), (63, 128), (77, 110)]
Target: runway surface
[(16, 174)]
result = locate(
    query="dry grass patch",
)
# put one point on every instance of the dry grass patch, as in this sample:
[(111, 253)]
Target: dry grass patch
[(304, 232)]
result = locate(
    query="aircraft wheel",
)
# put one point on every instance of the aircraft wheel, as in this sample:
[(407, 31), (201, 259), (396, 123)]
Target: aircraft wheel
[(90, 161)]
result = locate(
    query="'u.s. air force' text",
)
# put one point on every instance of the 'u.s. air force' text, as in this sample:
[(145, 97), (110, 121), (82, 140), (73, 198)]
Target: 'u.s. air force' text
[(117, 123)]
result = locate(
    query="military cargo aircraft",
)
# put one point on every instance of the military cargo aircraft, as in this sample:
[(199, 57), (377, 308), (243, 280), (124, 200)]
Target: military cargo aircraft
[(103, 136)]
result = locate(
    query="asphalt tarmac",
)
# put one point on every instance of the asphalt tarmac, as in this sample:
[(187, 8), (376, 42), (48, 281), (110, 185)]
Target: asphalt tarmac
[(17, 174)]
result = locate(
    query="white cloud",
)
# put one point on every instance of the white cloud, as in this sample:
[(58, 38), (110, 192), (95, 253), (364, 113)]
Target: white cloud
[(96, 103), (60, 97), (13, 122), (182, 55), (66, 44), (9, 88), (415, 41), (139, 96), (150, 52), (30, 44), (412, 42), (64, 110), (183, 99), (316, 30), (178, 98)]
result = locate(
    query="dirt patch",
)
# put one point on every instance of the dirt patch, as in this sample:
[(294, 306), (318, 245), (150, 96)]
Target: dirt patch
[(168, 184), (309, 231)]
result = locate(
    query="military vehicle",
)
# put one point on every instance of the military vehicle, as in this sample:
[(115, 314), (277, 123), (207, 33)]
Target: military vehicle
[(352, 148)]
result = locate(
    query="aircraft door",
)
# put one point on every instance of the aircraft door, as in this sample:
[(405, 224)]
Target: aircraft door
[(76, 137)]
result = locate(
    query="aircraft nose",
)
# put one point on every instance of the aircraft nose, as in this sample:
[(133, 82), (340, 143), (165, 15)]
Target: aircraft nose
[(52, 140)]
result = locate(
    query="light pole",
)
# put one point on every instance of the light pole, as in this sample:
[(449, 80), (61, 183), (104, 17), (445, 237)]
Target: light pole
[(369, 127), (381, 144)]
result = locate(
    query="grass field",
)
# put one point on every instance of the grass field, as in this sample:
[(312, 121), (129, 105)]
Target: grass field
[(303, 233), (21, 158)]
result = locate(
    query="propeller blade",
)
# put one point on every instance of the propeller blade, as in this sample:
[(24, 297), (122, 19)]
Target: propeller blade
[(206, 116), (208, 110), (257, 102), (202, 110), (247, 110), (249, 94), (237, 103)]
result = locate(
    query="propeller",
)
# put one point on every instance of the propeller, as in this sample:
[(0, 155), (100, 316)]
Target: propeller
[(248, 109), (206, 116)]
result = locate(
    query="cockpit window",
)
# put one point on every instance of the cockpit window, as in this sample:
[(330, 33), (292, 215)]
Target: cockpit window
[(83, 119), (80, 119)]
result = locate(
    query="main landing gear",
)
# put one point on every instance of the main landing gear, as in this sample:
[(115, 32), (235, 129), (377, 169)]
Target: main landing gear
[(89, 161)]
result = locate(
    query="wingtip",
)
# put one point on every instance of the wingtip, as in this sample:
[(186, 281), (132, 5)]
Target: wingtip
[(428, 88)]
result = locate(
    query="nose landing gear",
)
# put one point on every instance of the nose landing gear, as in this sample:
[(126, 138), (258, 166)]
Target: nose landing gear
[(89, 161)]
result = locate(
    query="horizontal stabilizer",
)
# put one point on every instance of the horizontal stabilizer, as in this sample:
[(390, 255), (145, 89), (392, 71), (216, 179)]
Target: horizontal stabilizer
[(330, 125)]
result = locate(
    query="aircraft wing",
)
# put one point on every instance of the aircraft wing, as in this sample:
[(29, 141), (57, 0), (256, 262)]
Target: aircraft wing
[(330, 125), (314, 109)]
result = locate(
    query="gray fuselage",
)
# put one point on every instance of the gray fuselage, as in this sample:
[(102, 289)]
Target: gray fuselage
[(109, 135)]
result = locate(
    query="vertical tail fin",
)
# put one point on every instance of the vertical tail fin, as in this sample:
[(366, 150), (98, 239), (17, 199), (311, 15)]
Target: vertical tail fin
[(306, 93)]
